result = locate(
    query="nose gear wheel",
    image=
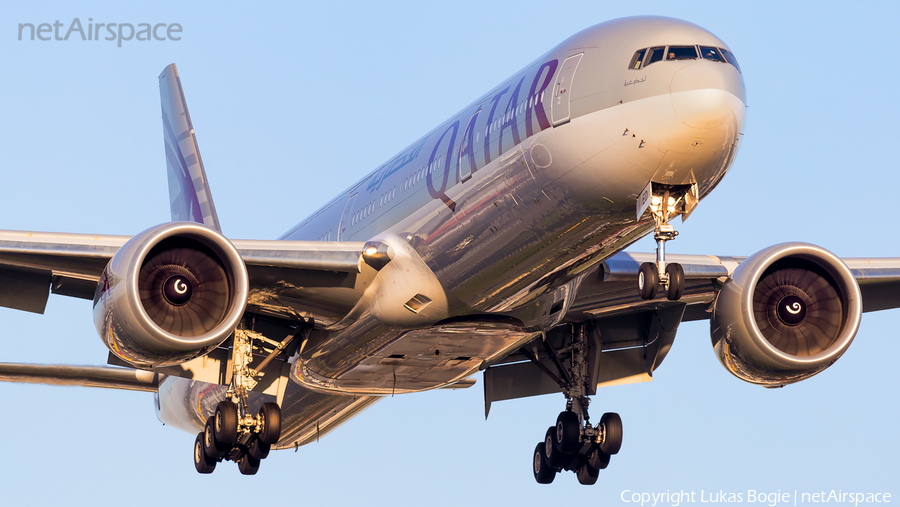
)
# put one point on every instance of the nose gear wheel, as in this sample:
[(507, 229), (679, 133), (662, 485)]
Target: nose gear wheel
[(663, 206)]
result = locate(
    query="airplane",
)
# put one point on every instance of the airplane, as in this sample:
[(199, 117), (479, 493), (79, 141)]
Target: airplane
[(494, 244)]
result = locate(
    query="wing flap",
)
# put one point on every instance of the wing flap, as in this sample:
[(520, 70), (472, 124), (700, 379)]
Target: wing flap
[(24, 289), (34, 264), (73, 286)]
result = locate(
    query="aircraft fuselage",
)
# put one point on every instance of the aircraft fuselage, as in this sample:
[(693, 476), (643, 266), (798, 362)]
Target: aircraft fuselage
[(512, 199)]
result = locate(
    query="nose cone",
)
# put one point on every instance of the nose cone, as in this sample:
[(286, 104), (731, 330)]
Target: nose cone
[(706, 95)]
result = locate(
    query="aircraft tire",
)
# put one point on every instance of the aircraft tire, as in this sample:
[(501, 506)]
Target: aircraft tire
[(543, 473), (213, 448), (270, 414), (202, 462), (587, 474), (258, 450), (226, 422), (552, 455), (648, 280), (613, 440), (248, 465), (567, 432), (675, 287), (598, 459)]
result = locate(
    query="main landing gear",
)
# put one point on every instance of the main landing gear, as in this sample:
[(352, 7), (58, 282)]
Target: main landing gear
[(652, 275), (573, 443), (232, 432)]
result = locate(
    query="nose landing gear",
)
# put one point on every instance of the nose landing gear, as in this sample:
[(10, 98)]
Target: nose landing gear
[(670, 276)]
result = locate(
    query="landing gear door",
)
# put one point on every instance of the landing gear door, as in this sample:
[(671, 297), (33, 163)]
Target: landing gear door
[(691, 199), (559, 106)]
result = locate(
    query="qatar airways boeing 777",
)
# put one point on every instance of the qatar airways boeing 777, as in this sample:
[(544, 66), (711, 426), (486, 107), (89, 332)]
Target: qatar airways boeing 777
[(494, 244)]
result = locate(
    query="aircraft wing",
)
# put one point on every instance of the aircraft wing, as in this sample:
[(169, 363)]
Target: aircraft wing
[(613, 290), (110, 377), (284, 275), (635, 335), (316, 281)]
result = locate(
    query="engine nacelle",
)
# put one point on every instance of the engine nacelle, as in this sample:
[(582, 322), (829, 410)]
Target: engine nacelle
[(789, 312), (171, 293)]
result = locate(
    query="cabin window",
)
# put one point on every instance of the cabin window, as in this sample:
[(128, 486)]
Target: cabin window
[(637, 59), (682, 53), (656, 54), (712, 54)]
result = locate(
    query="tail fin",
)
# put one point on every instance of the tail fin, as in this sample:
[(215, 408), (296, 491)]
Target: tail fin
[(189, 195)]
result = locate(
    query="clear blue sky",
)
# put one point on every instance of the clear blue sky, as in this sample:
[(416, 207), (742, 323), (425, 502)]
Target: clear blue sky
[(293, 102)]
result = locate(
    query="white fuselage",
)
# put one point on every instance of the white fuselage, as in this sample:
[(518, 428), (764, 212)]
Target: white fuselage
[(509, 201)]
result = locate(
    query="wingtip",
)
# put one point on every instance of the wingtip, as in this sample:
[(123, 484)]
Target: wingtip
[(169, 69)]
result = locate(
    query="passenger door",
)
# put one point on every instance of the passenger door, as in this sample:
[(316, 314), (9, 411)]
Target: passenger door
[(559, 106)]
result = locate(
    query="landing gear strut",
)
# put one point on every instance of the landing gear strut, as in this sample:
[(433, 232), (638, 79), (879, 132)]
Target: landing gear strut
[(651, 275), (573, 443), (233, 432)]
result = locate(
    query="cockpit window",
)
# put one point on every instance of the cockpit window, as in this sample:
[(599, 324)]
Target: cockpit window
[(712, 54), (637, 59), (682, 53), (644, 57), (656, 54), (731, 59)]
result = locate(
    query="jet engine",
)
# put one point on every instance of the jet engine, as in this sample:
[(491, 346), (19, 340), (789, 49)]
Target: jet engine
[(788, 312), (171, 293)]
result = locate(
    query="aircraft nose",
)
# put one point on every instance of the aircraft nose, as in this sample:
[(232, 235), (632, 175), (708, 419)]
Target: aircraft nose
[(705, 94)]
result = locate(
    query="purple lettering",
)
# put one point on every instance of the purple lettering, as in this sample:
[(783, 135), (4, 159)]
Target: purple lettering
[(467, 148), (448, 162), (538, 107), (510, 120), (490, 121)]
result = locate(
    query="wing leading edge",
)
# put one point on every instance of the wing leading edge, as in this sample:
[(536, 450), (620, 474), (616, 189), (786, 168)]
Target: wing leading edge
[(613, 291), (109, 377), (35, 264)]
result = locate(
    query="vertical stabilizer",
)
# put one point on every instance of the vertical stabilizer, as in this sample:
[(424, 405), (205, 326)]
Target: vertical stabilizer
[(189, 195)]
